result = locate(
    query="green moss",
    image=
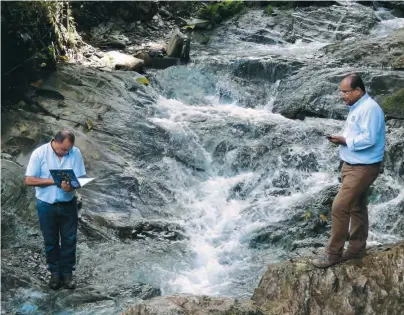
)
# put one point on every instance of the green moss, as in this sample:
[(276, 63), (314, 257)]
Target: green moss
[(393, 105), (269, 10), (220, 11)]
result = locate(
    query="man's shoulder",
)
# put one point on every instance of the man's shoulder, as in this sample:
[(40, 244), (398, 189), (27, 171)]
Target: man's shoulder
[(76, 151), (40, 149), (371, 104)]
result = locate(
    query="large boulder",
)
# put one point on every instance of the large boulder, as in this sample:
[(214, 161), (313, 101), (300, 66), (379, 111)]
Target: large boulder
[(370, 286), (179, 46), (120, 61), (175, 44)]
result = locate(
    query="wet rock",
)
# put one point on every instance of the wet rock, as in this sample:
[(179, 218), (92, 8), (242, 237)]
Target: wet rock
[(191, 304), (163, 63), (388, 220), (144, 291), (270, 69), (157, 61), (120, 61), (151, 229), (175, 44), (307, 227), (370, 52), (63, 299), (356, 287)]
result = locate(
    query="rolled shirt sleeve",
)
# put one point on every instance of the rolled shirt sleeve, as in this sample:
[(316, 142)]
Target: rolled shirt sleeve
[(368, 125)]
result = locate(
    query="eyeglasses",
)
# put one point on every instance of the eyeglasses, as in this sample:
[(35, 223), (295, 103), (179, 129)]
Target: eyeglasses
[(346, 92)]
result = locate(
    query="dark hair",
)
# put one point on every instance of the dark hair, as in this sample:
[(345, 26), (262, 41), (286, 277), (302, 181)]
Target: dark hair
[(356, 82), (63, 134)]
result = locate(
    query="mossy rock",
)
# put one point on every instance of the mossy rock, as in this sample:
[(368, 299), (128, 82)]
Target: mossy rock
[(393, 105), (220, 11)]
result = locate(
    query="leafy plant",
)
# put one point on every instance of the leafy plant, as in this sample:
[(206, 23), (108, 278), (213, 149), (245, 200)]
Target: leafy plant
[(269, 10)]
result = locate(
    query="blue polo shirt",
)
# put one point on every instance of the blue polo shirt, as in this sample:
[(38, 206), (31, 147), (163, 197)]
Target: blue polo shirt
[(42, 160), (364, 133)]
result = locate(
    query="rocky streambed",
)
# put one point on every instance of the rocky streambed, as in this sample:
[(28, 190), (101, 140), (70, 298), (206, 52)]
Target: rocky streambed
[(213, 171)]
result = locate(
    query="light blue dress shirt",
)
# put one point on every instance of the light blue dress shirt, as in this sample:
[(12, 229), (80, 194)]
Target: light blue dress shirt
[(42, 160), (364, 133)]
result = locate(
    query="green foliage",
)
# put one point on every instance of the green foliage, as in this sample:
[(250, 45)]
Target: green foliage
[(269, 10), (393, 105), (286, 5), (219, 11)]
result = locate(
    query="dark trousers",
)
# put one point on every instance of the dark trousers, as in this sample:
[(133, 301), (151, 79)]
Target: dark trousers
[(350, 206), (58, 223)]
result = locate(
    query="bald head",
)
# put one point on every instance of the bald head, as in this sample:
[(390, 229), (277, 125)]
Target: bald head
[(352, 89), (64, 134), (355, 82)]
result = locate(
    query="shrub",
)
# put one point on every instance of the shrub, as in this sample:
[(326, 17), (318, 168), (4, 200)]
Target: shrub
[(269, 10)]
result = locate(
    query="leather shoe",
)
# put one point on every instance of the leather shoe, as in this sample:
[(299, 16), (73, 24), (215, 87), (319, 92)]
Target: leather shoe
[(68, 281), (54, 282), (348, 255), (324, 261)]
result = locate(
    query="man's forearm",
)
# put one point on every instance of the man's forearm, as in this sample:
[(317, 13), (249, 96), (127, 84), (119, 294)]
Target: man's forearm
[(39, 182)]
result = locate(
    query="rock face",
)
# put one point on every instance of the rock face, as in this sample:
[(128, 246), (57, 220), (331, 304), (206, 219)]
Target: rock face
[(385, 52), (373, 285), (197, 305), (179, 46)]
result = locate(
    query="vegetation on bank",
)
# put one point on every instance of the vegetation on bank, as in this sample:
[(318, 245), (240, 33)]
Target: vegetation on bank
[(35, 35), (393, 105), (220, 11)]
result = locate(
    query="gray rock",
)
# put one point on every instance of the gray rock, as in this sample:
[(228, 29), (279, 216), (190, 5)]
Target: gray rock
[(191, 304), (356, 287), (151, 229), (175, 44), (163, 63), (120, 61)]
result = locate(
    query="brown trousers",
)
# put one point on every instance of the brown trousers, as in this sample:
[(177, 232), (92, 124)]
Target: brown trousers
[(350, 205)]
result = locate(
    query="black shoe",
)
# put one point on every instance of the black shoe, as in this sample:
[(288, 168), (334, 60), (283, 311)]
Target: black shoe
[(68, 281), (54, 282)]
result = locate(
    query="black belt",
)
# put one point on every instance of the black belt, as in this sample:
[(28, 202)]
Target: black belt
[(64, 202), (362, 164)]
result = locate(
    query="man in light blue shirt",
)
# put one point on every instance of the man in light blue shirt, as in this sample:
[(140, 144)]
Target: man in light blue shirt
[(361, 148), (57, 206)]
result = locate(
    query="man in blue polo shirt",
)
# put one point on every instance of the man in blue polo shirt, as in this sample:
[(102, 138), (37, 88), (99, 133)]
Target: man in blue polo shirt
[(57, 206), (361, 148)]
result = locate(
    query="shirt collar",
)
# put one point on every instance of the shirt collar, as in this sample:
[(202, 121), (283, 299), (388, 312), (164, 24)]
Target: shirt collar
[(358, 102)]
